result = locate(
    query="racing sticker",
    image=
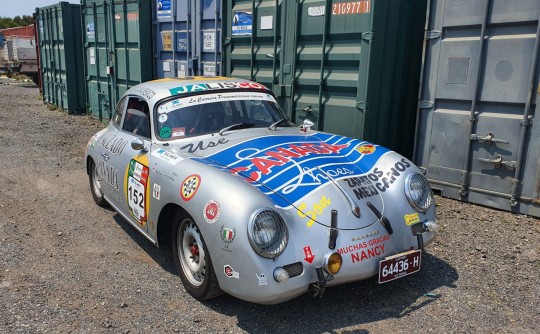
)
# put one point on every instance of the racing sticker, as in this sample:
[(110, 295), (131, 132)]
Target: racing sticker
[(312, 211), (165, 132), (366, 149), (288, 169), (412, 218), (308, 255), (179, 132), (229, 272), (157, 191), (215, 86), (136, 190), (262, 279), (169, 157), (228, 234), (190, 186), (211, 212)]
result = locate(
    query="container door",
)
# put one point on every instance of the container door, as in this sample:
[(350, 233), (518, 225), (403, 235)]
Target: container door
[(98, 83), (475, 136), (208, 37), (327, 61), (188, 35), (54, 62), (118, 50), (314, 54), (253, 46), (174, 38)]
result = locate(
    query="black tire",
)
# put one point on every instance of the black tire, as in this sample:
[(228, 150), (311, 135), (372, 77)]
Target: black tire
[(95, 186), (195, 269)]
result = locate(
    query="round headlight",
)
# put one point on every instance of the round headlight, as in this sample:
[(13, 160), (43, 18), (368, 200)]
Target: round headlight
[(418, 192), (268, 233)]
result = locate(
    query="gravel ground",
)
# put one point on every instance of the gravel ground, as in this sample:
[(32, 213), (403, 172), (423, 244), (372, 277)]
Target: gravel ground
[(68, 266)]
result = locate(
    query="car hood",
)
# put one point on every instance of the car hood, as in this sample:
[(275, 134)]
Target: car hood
[(308, 173)]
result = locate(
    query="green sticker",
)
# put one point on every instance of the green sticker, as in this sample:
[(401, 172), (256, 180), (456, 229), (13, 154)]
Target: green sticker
[(165, 132)]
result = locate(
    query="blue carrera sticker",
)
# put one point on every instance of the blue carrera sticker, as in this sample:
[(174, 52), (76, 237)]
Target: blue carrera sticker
[(295, 166)]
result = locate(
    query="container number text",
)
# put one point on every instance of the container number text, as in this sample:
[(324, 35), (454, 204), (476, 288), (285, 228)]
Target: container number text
[(353, 7)]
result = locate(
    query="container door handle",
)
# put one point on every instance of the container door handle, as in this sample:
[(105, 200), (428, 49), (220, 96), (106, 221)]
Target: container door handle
[(498, 161), (489, 138)]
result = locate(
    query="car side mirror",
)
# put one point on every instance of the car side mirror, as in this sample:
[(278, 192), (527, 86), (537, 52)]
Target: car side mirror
[(138, 145), (306, 125)]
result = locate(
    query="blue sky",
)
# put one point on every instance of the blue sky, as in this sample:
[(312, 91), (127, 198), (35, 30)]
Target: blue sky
[(25, 7)]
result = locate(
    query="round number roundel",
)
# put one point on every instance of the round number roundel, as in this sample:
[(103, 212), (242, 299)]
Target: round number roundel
[(190, 186)]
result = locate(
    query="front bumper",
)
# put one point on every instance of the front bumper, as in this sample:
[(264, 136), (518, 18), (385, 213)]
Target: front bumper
[(361, 255)]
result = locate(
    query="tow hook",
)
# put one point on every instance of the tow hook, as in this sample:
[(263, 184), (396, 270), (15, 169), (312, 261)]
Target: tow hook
[(320, 286)]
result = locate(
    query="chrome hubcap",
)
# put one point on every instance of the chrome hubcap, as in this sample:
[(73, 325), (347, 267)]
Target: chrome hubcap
[(95, 181), (191, 253)]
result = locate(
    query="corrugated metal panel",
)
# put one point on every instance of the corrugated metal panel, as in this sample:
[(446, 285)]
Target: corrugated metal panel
[(118, 50), (60, 49), (23, 48), (19, 31), (476, 138), (187, 38), (352, 67)]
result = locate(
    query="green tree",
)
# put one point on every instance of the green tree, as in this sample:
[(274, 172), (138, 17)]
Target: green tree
[(17, 21)]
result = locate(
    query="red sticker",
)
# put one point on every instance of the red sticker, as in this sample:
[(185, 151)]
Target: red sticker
[(308, 255), (179, 132), (190, 186), (211, 212)]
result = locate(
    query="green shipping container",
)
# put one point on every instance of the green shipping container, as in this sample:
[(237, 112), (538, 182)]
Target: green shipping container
[(118, 50), (61, 56), (352, 67)]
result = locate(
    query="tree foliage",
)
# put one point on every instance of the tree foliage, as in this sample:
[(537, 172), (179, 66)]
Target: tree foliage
[(17, 21)]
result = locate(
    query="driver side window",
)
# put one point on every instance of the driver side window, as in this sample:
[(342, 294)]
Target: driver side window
[(137, 120)]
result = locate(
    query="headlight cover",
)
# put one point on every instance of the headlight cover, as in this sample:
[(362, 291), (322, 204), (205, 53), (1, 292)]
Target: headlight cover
[(418, 192), (268, 234)]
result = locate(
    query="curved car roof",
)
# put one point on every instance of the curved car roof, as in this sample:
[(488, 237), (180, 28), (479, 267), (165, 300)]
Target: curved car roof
[(158, 89)]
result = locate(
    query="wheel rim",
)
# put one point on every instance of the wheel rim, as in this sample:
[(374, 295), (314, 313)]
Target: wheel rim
[(191, 253), (95, 181)]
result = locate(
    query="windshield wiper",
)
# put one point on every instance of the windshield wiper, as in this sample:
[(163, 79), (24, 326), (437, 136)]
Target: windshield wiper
[(275, 125), (236, 126)]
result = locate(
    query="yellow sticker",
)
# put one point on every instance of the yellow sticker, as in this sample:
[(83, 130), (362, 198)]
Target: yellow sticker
[(366, 149), (318, 209), (411, 219)]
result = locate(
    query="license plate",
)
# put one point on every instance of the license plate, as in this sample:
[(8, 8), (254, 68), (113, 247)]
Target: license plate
[(399, 265)]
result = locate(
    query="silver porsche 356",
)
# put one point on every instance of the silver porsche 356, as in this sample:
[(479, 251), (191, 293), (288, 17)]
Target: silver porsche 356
[(251, 204)]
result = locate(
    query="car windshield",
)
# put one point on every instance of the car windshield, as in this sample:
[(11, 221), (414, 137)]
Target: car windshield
[(220, 112)]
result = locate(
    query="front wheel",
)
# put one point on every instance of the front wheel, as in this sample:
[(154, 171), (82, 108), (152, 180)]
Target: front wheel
[(95, 186), (193, 259)]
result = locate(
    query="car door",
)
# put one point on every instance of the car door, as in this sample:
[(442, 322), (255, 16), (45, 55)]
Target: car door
[(132, 162)]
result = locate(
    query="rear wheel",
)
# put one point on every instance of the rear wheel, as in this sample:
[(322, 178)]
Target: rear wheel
[(193, 259), (95, 186)]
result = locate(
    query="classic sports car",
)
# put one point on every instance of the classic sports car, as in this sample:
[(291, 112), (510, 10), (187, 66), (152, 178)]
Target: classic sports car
[(251, 204)]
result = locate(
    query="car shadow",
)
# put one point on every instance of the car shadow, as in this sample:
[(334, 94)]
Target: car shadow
[(162, 256), (342, 306), (345, 305)]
